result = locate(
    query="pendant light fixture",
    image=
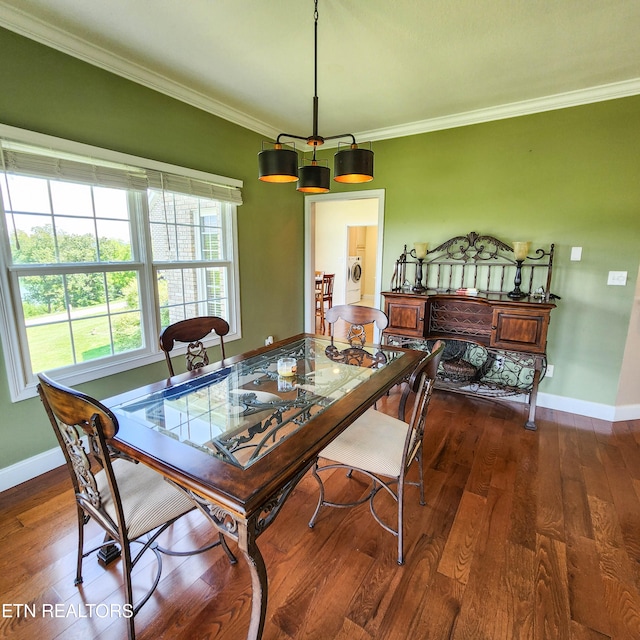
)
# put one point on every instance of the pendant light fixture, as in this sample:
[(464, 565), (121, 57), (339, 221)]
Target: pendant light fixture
[(352, 165)]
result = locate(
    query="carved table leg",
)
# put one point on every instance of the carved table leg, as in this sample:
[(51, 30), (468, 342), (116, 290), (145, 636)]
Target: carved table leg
[(259, 584)]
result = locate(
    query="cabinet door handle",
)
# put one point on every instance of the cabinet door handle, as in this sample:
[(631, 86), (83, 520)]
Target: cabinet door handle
[(493, 327)]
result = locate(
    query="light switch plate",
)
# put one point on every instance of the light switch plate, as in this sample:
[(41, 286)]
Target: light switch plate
[(617, 278), (576, 253)]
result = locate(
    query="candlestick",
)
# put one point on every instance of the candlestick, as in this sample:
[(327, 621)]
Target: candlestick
[(419, 252)]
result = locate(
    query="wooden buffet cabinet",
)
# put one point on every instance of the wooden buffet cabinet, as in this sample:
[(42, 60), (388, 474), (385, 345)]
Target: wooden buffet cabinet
[(496, 343)]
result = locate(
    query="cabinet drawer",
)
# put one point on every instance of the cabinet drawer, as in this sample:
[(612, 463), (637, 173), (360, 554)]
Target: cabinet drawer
[(406, 316), (520, 330)]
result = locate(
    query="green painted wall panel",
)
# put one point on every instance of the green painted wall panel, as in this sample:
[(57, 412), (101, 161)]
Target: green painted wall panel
[(46, 91), (570, 177)]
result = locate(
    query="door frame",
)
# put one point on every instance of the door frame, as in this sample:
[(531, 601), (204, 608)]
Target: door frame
[(309, 247)]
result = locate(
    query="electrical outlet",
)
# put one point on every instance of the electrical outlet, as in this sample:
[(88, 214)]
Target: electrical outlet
[(268, 341), (549, 373), (576, 253), (618, 278)]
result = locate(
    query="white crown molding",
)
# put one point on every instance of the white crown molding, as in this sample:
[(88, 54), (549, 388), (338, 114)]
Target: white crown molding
[(611, 91), (38, 30)]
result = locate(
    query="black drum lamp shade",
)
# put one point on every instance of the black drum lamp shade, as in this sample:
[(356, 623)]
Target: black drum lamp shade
[(278, 164), (353, 165), (314, 178)]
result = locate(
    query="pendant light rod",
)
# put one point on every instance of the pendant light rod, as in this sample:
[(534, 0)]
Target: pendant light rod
[(352, 165), (315, 139)]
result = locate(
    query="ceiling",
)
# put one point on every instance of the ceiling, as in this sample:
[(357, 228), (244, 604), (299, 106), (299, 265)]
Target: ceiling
[(385, 67)]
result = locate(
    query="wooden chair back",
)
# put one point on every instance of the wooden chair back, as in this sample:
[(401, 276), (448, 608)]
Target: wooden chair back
[(72, 415), (327, 289), (192, 331), (356, 317)]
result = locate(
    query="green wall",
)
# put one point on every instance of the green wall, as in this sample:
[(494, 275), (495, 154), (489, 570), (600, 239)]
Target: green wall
[(49, 92), (568, 177)]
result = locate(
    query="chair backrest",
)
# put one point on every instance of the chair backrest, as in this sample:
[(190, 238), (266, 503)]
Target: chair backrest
[(421, 382), (357, 317), (327, 286), (192, 331), (73, 414), (319, 283)]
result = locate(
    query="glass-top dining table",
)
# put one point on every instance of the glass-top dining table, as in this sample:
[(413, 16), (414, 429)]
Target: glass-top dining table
[(239, 436)]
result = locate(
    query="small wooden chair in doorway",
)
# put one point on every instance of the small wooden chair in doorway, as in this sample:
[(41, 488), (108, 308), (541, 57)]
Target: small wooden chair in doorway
[(323, 296)]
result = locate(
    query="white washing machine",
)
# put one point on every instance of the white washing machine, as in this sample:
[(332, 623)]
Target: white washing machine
[(354, 280)]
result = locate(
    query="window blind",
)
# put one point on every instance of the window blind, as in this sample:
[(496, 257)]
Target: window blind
[(44, 166), (182, 184), (48, 164)]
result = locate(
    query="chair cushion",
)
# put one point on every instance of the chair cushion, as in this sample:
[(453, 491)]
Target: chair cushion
[(374, 442), (148, 500)]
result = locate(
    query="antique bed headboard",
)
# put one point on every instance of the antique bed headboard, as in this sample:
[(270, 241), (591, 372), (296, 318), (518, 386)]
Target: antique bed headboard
[(477, 262)]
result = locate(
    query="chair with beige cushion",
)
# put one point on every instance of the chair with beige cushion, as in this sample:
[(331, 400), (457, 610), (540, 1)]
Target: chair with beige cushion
[(130, 501), (192, 331), (382, 448)]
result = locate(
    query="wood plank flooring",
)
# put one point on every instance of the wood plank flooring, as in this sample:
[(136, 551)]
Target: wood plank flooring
[(525, 535)]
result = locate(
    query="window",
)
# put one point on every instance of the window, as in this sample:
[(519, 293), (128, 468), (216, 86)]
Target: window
[(101, 255)]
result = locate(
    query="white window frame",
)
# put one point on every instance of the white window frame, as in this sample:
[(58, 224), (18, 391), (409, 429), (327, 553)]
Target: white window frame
[(12, 324)]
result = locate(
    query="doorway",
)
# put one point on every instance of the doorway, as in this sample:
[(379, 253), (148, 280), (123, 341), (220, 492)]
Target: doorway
[(362, 245), (339, 228)]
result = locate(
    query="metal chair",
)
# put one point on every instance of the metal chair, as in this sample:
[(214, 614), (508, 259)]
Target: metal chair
[(382, 448), (192, 331), (130, 501), (356, 317)]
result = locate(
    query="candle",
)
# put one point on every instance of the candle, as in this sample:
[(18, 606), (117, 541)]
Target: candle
[(521, 249), (287, 366), (421, 249)]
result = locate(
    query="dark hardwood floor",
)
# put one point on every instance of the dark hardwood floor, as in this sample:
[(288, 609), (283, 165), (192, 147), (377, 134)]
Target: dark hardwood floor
[(525, 535)]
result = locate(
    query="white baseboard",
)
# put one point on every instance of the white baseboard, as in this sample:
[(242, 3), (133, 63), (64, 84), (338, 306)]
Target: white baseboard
[(579, 407), (590, 409), (627, 412), (30, 468), (43, 462)]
